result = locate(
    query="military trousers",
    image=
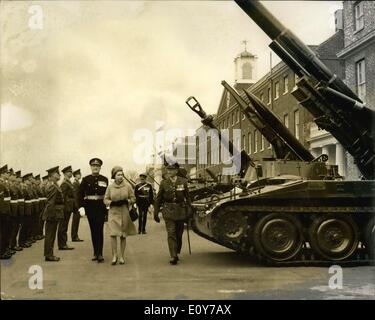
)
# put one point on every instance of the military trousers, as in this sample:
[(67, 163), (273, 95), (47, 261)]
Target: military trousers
[(35, 216), (75, 224), (50, 236), (25, 232), (175, 229), (96, 211), (62, 233), (5, 235), (142, 219), (14, 228)]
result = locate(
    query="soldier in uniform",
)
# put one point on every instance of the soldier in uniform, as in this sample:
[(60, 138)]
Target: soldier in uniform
[(5, 223), (91, 195), (68, 193), (76, 216), (173, 195), (25, 233), (53, 213), (36, 210), (15, 241), (42, 203), (144, 198), (13, 209)]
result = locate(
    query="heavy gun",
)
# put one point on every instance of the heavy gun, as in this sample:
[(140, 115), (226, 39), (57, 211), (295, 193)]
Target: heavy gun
[(286, 146), (207, 120), (334, 106)]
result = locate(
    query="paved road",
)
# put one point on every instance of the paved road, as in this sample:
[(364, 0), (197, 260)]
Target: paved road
[(211, 272)]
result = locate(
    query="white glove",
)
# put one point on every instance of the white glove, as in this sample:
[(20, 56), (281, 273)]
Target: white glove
[(81, 211)]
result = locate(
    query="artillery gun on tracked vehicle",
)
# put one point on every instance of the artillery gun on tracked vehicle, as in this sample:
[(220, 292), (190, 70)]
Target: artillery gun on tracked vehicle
[(303, 219)]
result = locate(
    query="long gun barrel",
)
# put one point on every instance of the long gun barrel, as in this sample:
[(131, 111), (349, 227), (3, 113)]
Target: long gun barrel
[(334, 106), (286, 146), (207, 120)]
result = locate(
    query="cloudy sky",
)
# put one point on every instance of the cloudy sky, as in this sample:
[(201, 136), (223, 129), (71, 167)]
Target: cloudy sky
[(79, 78)]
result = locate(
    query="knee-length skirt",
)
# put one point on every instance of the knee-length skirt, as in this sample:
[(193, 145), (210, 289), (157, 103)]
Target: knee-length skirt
[(119, 222)]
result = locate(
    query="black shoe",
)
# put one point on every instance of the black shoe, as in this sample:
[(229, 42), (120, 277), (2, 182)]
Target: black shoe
[(66, 248), (94, 258), (173, 261), (100, 258), (53, 258), (5, 256), (144, 232), (178, 259), (77, 240), (139, 231), (18, 248)]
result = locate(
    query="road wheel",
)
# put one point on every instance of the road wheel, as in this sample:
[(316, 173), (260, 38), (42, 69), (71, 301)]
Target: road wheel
[(278, 237), (334, 236), (370, 238), (231, 226)]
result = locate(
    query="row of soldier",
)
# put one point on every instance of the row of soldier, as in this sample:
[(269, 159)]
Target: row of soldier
[(23, 199)]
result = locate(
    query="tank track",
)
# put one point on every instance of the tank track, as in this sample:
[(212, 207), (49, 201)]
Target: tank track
[(306, 255)]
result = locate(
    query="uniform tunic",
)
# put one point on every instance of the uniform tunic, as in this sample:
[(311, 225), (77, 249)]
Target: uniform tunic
[(119, 221)]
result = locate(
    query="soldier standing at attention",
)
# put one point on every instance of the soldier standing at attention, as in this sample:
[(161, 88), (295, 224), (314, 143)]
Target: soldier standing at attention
[(173, 195), (25, 233), (76, 216), (53, 213), (91, 195), (13, 209), (145, 197), (68, 193), (5, 223)]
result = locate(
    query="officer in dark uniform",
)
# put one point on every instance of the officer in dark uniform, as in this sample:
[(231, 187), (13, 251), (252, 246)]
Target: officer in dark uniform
[(13, 209), (91, 195), (76, 215), (144, 198), (53, 213), (42, 203), (173, 196), (68, 193), (5, 223)]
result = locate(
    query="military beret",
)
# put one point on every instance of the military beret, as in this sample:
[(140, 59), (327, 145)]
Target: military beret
[(18, 174), (143, 175), (37, 177), (96, 161), (77, 172), (4, 169), (53, 170), (173, 166), (67, 169), (11, 171)]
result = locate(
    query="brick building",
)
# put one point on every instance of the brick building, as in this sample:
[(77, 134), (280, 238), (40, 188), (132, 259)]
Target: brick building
[(358, 54)]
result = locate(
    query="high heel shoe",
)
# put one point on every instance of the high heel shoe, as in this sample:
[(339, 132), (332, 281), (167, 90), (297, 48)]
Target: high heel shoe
[(114, 261), (122, 261)]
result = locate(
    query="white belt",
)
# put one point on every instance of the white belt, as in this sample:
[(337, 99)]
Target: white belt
[(13, 201), (7, 199), (28, 201), (42, 198), (21, 200), (94, 197)]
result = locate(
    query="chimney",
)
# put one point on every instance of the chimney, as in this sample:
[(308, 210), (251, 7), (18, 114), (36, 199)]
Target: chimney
[(339, 21)]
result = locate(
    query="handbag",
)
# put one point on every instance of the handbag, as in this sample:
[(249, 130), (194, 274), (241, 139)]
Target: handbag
[(133, 214)]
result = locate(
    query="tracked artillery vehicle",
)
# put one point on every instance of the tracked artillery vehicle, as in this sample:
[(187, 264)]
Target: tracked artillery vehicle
[(289, 219)]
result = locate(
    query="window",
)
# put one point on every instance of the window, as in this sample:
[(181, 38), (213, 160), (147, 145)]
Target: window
[(295, 79), (286, 120), (361, 79), (286, 84), (261, 142), (249, 142), (244, 146), (232, 118), (269, 95), (255, 141), (359, 16), (261, 97), (296, 124), (238, 116), (277, 90), (243, 116)]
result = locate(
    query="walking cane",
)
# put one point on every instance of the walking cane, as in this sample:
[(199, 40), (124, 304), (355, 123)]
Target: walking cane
[(188, 236)]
